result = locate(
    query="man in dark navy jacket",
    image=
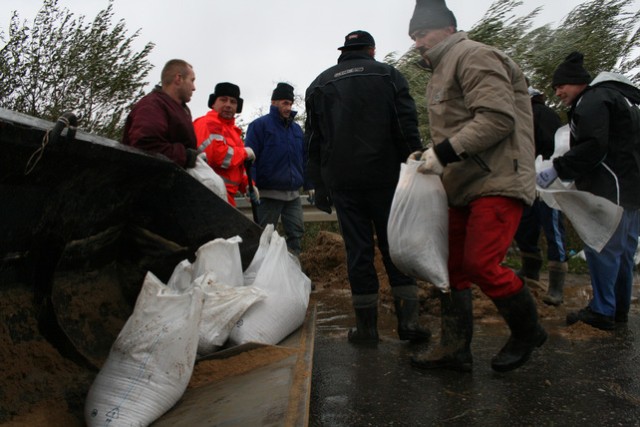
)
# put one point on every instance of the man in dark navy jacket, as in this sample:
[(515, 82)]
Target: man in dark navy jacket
[(361, 125), (278, 143)]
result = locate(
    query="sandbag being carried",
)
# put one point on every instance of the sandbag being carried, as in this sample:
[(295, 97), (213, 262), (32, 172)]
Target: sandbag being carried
[(283, 311), (418, 226), (207, 176), (151, 362), (594, 218)]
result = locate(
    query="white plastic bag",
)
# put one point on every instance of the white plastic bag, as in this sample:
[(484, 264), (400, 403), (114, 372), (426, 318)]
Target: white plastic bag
[(223, 307), (283, 311), (222, 258), (151, 362), (594, 218), (418, 226), (263, 247), (206, 175)]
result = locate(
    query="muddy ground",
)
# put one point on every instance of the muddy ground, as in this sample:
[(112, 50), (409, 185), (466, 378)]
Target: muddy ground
[(39, 387)]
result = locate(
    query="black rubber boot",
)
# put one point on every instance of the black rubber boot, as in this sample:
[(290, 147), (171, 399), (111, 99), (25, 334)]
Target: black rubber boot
[(531, 265), (407, 304), (454, 351), (557, 274), (366, 330), (521, 315)]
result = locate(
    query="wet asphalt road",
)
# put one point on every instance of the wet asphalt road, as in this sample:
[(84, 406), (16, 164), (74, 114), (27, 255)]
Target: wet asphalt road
[(567, 382)]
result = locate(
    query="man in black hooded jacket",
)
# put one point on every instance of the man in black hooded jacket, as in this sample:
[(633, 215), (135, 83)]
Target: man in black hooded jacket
[(361, 125), (603, 159)]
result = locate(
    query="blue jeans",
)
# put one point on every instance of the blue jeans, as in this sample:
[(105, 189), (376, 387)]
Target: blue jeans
[(272, 210), (535, 218), (361, 214), (612, 269)]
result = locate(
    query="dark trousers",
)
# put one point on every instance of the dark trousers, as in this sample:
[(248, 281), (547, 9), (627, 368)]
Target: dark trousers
[(539, 217), (361, 213)]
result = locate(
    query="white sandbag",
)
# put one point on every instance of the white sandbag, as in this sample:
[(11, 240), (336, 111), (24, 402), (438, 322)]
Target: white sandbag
[(207, 176), (181, 277), (221, 257), (594, 218), (151, 362), (223, 307), (287, 288), (418, 226), (251, 271)]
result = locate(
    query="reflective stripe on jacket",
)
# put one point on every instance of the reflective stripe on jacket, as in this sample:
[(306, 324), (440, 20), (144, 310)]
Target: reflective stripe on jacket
[(221, 140)]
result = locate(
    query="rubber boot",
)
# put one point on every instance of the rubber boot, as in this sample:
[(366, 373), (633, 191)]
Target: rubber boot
[(531, 265), (557, 274), (366, 330), (407, 304), (520, 313), (454, 351)]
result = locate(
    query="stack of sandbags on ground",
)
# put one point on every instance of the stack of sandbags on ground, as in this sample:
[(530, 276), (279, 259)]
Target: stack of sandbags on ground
[(418, 226), (151, 361), (218, 271), (278, 273)]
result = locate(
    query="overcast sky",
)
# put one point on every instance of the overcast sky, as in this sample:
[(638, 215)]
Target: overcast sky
[(257, 43)]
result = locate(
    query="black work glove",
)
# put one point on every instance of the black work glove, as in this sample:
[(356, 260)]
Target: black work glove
[(192, 155), (323, 200)]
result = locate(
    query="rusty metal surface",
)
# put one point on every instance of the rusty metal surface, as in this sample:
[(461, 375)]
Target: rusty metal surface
[(274, 395)]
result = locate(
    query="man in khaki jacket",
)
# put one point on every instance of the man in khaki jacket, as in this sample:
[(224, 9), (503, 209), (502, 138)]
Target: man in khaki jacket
[(482, 130)]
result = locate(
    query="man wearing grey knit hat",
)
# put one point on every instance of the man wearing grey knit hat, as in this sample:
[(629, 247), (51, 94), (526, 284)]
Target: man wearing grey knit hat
[(482, 147)]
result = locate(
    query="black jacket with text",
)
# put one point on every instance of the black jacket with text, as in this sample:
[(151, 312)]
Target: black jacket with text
[(361, 124)]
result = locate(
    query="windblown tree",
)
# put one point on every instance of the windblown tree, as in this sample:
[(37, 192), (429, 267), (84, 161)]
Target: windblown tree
[(606, 31), (60, 63)]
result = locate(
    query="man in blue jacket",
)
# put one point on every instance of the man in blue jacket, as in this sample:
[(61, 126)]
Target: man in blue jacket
[(361, 125), (278, 143)]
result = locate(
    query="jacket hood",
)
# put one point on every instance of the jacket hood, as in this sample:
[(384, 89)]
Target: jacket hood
[(618, 82)]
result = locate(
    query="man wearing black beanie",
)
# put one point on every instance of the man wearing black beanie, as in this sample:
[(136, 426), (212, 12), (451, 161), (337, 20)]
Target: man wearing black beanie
[(481, 127), (603, 159), (278, 142)]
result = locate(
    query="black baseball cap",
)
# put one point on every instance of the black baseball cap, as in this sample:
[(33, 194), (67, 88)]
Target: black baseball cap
[(357, 38)]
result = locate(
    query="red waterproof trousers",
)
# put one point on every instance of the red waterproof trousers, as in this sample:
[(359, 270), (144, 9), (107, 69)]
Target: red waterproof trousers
[(479, 236)]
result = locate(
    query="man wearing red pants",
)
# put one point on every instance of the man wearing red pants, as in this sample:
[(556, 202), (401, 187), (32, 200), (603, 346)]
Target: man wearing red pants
[(482, 129)]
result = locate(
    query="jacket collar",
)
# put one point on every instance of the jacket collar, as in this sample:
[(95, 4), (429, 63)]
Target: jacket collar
[(214, 113), (438, 52), (275, 113), (351, 55)]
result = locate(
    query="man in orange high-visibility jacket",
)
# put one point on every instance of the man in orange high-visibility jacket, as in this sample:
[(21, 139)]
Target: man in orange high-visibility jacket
[(220, 139)]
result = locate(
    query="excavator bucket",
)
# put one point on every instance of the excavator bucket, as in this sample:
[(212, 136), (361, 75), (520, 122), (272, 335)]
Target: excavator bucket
[(84, 218)]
